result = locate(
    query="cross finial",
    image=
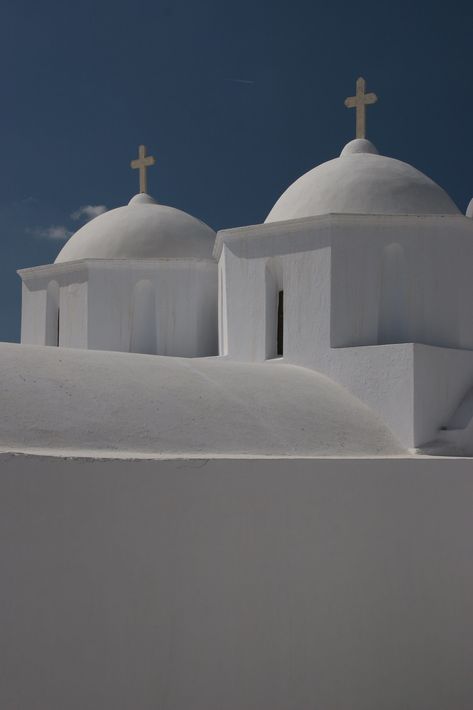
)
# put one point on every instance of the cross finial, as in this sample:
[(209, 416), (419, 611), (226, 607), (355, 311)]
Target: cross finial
[(360, 101), (142, 163)]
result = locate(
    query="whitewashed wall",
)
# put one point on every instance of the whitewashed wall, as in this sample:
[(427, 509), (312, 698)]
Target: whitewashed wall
[(358, 289), (55, 303), (402, 279), (390, 278), (164, 307), (33, 315), (203, 585), (178, 295)]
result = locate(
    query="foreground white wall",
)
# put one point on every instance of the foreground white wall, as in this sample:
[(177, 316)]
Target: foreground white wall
[(236, 584)]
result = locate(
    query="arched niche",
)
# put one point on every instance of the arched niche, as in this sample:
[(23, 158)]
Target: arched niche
[(143, 319)]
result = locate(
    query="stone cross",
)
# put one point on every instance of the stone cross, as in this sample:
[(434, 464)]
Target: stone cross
[(142, 163), (360, 101)]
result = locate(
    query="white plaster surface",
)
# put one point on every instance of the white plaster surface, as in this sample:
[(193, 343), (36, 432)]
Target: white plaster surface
[(361, 181), (33, 315), (61, 399), (236, 585), (156, 306), (140, 230), (359, 289), (359, 292), (280, 549)]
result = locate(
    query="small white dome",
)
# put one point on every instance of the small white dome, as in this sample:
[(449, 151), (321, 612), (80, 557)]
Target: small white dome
[(361, 181), (142, 229), (359, 145)]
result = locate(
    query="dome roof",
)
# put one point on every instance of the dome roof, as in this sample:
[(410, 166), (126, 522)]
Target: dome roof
[(142, 229), (361, 181), (84, 401)]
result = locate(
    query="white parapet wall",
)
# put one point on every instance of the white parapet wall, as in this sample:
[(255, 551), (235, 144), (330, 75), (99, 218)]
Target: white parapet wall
[(236, 583)]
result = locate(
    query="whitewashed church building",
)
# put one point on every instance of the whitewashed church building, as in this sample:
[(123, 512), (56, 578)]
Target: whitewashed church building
[(235, 468)]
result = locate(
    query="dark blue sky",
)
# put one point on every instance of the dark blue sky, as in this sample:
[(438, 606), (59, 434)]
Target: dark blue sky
[(84, 83)]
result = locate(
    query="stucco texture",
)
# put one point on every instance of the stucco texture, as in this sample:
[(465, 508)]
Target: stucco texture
[(236, 585), (362, 182), (140, 230), (62, 399)]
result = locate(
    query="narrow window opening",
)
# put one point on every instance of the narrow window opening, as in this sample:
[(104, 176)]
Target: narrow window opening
[(280, 336), (393, 309), (52, 314)]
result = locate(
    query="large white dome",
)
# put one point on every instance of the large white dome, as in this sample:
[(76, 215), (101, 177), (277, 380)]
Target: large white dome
[(142, 229), (361, 181), (88, 401)]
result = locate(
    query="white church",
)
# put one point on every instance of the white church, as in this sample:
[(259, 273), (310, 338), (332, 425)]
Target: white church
[(236, 468)]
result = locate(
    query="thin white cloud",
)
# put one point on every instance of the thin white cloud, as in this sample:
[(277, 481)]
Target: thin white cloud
[(56, 231), (242, 81), (88, 212), (60, 232)]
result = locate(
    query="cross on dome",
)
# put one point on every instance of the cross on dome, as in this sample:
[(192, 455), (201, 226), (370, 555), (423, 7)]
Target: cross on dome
[(360, 101), (142, 163)]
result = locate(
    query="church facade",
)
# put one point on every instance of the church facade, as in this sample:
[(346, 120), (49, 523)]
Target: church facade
[(347, 277), (236, 469)]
